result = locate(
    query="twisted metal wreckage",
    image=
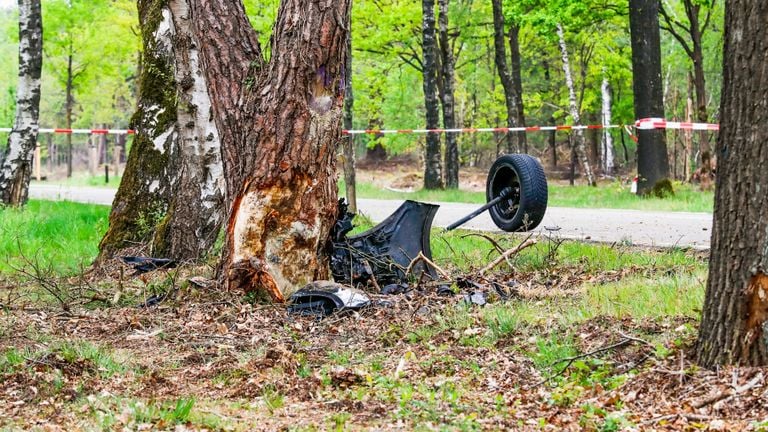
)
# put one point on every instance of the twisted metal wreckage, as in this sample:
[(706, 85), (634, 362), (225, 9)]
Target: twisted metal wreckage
[(395, 254)]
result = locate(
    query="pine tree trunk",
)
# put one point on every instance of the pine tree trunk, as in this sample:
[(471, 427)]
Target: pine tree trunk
[(607, 141), (516, 142), (652, 159), (16, 167), (280, 124), (171, 198), (517, 84), (68, 106), (433, 178), (734, 325), (451, 163), (692, 11), (348, 142), (578, 135)]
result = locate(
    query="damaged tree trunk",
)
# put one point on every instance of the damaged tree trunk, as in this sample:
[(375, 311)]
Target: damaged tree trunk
[(280, 124), (348, 142), (171, 198), (734, 325), (16, 168), (578, 134)]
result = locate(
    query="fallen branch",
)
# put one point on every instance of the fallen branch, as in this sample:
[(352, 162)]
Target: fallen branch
[(493, 242), (421, 257), (507, 254), (729, 393)]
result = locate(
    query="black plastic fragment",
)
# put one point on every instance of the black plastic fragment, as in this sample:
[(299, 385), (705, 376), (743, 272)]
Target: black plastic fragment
[(147, 264), (322, 298), (385, 251)]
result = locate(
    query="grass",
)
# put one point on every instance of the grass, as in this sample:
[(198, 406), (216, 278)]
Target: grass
[(83, 179), (606, 195), (61, 234)]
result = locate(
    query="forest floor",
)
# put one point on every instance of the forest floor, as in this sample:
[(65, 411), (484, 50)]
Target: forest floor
[(586, 337)]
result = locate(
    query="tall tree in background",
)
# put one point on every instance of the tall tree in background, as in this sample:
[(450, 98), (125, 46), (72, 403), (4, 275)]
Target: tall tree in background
[(652, 159), (447, 97), (280, 124), (509, 76), (171, 198), (689, 33), (734, 325), (16, 167), (433, 178)]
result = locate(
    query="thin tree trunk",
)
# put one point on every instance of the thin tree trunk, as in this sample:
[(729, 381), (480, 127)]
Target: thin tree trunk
[(652, 158), (607, 141), (578, 135), (517, 84), (68, 105), (432, 164), (16, 167), (451, 163), (280, 124), (689, 160), (552, 138), (348, 142), (171, 198), (516, 142), (734, 324)]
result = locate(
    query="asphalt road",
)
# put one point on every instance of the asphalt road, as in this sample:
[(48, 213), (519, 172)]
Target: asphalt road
[(662, 229)]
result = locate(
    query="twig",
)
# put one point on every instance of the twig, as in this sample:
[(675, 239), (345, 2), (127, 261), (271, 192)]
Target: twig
[(495, 244), (570, 360), (507, 254), (421, 257), (687, 416), (729, 393)]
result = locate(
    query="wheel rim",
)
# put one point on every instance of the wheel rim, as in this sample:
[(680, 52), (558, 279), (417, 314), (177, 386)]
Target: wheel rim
[(506, 177)]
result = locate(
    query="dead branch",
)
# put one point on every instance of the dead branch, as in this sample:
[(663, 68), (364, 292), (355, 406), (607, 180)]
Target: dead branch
[(507, 254), (729, 393), (493, 242), (421, 257)]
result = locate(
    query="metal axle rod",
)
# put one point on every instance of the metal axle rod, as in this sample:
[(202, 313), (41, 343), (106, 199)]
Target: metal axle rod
[(505, 193)]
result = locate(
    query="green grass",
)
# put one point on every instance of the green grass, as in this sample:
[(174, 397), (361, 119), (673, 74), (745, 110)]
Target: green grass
[(83, 179), (607, 195), (61, 234)]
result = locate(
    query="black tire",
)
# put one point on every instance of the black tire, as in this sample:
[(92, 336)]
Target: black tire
[(525, 208)]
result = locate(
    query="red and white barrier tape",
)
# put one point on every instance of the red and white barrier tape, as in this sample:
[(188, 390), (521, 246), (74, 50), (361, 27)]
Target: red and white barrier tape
[(659, 123), (648, 123)]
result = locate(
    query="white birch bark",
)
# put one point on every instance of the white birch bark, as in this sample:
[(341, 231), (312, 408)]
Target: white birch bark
[(578, 135), (607, 144), (16, 167)]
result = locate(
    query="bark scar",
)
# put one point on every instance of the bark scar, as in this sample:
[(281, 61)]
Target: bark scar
[(757, 309)]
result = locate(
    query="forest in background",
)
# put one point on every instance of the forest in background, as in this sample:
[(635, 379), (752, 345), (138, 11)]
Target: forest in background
[(100, 40)]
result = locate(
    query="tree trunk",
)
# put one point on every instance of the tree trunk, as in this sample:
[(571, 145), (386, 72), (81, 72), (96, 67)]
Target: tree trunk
[(447, 100), (16, 167), (348, 142), (280, 124), (509, 77), (433, 178), (578, 135), (68, 105), (607, 141), (734, 325), (171, 197), (652, 159)]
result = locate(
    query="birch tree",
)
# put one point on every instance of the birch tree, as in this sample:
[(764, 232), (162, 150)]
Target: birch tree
[(16, 167)]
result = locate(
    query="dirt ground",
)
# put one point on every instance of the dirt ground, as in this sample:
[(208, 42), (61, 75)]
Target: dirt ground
[(417, 361)]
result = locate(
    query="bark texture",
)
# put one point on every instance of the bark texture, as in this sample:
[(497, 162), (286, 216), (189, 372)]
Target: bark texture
[(607, 139), (171, 198), (348, 142), (16, 168), (734, 325), (509, 77), (578, 135), (652, 159), (280, 124), (433, 178), (447, 98)]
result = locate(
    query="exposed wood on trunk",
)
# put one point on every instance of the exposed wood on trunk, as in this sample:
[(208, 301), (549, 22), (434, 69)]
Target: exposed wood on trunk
[(577, 135), (433, 178), (734, 325), (652, 159), (16, 167), (607, 139), (447, 99), (280, 124)]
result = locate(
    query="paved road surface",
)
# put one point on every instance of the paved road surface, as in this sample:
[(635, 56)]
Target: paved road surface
[(603, 225)]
